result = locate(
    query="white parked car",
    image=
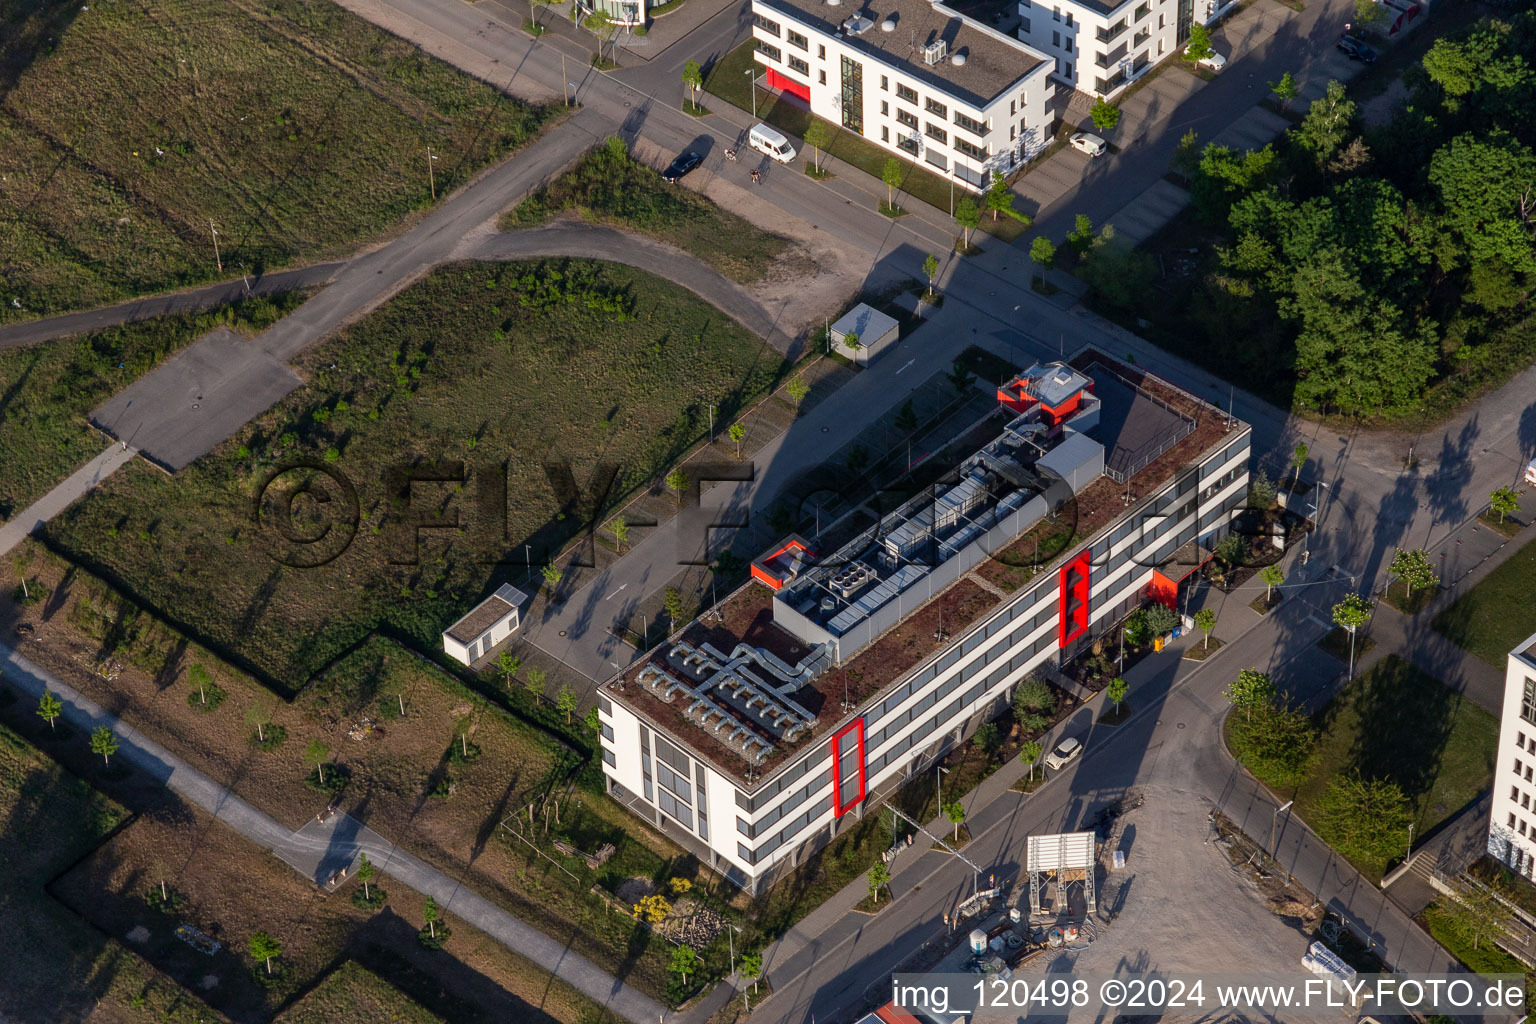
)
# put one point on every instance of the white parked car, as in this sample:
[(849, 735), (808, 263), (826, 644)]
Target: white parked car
[(1090, 144), (1212, 61), (1066, 751)]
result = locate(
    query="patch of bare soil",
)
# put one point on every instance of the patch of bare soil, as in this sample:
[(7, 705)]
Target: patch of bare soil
[(819, 277)]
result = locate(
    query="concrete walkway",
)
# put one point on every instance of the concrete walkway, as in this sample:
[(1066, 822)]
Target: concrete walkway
[(20, 526), (318, 851)]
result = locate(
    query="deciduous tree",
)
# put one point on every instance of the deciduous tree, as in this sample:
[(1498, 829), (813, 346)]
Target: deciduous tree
[(49, 708), (684, 960), (1505, 501), (1199, 46), (818, 136), (1043, 254), (968, 216), (1271, 576), (693, 78), (954, 810), (1285, 90), (737, 432), (677, 481), (265, 948), (890, 173), (104, 742), (879, 877), (1251, 689), (1105, 115), (317, 752), (1415, 569), (1205, 621), (566, 701), (365, 873), (1116, 691), (1029, 753)]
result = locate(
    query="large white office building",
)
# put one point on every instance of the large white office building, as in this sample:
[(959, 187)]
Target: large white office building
[(1512, 824), (1101, 46), (757, 732), (927, 83)]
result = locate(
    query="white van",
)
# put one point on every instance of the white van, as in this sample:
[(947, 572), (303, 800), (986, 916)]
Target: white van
[(770, 143)]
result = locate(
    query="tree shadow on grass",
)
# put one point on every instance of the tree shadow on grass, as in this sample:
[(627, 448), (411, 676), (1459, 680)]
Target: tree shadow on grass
[(1406, 717)]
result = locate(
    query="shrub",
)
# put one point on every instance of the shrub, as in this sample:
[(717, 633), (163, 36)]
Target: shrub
[(271, 737), (1034, 695), (1161, 620)]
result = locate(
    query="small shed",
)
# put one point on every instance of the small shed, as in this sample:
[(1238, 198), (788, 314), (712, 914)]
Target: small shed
[(876, 332), (487, 624)]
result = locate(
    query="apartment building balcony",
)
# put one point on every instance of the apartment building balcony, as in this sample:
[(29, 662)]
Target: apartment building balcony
[(1113, 57), (1109, 35)]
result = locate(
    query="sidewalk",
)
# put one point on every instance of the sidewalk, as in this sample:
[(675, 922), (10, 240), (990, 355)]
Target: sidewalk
[(25, 522), (1464, 558), (318, 851)]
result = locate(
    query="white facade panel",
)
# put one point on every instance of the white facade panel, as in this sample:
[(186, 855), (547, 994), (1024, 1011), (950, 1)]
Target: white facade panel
[(899, 110), (1512, 820)]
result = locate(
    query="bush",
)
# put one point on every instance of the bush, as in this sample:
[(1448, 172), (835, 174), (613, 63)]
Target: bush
[(460, 752), (1161, 620), (1137, 631), (375, 899), (333, 780), (1034, 695), (987, 737), (270, 738), (207, 698), (31, 594), (167, 901), (431, 941), (1261, 491)]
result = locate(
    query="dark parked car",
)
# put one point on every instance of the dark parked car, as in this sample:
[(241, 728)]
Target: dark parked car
[(1355, 49), (681, 166)]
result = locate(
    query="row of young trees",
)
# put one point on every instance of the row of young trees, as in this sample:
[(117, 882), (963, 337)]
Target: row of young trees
[(1373, 262)]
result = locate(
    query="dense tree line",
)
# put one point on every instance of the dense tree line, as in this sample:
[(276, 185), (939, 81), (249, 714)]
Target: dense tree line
[(1373, 265)]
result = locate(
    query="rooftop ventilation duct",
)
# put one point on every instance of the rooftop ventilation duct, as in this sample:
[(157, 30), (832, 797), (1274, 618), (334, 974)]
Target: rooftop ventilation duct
[(934, 52), (888, 25)]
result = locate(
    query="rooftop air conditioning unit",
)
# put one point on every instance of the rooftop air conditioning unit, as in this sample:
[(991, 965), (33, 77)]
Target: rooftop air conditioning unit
[(934, 52)]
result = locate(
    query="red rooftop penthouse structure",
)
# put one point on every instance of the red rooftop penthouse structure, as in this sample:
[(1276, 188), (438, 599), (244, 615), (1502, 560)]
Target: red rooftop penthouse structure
[(820, 686)]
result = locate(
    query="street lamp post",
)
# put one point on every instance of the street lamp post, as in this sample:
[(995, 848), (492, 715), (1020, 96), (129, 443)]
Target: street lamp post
[(1274, 839), (752, 86), (939, 772)]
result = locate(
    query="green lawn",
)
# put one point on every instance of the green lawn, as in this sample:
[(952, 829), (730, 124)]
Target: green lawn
[(728, 80), (517, 366), (609, 186), (297, 128), (1492, 618), (1485, 959), (353, 993), (1396, 722), (47, 391)]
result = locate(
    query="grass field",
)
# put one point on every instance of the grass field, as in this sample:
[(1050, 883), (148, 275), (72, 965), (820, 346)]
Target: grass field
[(1397, 723), (53, 966), (608, 186), (509, 366), (352, 994), (297, 128), (1492, 618), (47, 391)]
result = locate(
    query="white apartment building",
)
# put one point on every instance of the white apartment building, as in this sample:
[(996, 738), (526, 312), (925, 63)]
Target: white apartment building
[(1101, 46), (919, 79), (1512, 823), (756, 733)]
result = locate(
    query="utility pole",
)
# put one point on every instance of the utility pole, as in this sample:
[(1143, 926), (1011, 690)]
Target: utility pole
[(565, 82), (431, 179), (216, 258)]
